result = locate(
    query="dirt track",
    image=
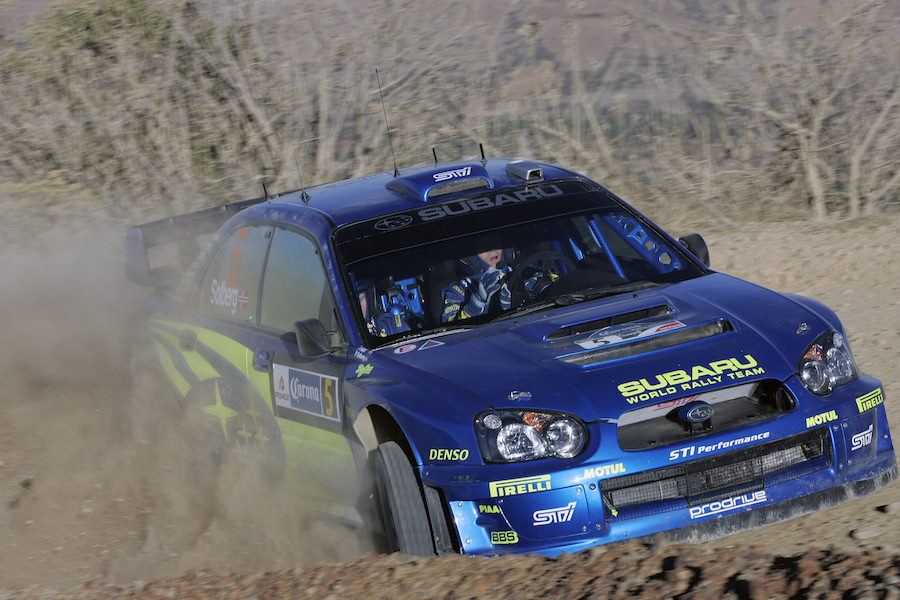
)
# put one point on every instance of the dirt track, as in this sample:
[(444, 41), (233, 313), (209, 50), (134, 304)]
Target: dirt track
[(89, 505)]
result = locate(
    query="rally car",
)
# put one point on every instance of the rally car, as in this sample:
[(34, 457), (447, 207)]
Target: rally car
[(620, 388)]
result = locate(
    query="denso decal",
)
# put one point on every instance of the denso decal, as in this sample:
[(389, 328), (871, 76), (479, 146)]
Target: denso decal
[(870, 400), (728, 504), (604, 471), (454, 454), (862, 439), (699, 449), (445, 175), (821, 418), (549, 516), (305, 391), (228, 297), (504, 537), (466, 205), (681, 380), (521, 485), (604, 337)]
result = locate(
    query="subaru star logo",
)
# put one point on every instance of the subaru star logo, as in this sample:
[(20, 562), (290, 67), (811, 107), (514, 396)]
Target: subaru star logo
[(391, 223), (696, 412)]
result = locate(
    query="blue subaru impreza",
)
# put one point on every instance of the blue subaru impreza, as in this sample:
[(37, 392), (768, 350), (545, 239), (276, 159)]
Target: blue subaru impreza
[(499, 356)]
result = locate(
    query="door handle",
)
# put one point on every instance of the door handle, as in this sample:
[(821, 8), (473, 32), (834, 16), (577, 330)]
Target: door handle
[(187, 340), (262, 360)]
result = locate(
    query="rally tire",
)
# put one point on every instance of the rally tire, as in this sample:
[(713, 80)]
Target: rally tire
[(401, 504)]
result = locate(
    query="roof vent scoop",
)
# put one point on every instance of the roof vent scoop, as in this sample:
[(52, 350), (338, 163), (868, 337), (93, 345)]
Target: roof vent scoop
[(430, 183), (528, 172)]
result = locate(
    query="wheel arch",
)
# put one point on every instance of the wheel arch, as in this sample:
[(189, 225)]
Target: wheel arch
[(375, 425)]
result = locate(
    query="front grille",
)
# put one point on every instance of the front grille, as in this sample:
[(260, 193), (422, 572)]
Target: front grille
[(736, 407), (717, 477)]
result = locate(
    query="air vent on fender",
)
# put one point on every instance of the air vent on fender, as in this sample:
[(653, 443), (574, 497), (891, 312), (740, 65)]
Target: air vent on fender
[(430, 184), (673, 337)]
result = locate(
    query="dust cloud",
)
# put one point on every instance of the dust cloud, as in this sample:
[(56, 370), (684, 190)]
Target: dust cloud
[(99, 477)]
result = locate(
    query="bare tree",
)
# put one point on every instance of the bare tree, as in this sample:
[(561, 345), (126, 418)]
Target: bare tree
[(811, 86), (194, 103)]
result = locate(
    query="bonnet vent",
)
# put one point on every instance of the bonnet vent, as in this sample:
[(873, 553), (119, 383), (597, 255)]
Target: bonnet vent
[(641, 345), (620, 319)]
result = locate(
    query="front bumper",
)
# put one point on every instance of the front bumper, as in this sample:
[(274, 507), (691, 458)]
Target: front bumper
[(550, 507)]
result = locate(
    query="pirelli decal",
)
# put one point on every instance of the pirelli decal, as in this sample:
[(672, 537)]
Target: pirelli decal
[(305, 391), (870, 400), (522, 485)]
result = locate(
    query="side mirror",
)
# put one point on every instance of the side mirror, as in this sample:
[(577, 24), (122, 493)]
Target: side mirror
[(695, 243), (312, 339)]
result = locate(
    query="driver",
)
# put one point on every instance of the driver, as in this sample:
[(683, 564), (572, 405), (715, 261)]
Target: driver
[(480, 290)]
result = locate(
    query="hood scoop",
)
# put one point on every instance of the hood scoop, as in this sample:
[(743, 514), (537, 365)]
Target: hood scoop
[(652, 336), (620, 319)]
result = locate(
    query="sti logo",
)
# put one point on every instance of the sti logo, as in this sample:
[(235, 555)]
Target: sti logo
[(445, 175), (562, 514), (861, 439)]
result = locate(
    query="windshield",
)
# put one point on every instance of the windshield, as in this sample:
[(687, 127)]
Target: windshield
[(468, 261)]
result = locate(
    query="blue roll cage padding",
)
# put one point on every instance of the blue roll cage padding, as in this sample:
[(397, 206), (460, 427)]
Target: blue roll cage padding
[(637, 237), (575, 249), (609, 253)]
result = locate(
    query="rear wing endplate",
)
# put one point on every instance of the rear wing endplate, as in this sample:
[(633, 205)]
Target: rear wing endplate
[(157, 253)]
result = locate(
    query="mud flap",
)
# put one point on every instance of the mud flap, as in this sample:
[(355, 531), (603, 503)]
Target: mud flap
[(443, 542)]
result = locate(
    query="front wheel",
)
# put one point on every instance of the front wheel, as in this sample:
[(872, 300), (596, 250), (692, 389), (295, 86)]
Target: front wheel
[(401, 504)]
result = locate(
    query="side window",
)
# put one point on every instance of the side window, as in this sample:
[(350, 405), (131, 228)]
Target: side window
[(231, 282), (295, 286)]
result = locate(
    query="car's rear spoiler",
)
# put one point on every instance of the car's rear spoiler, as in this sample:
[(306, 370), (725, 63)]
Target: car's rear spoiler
[(173, 242)]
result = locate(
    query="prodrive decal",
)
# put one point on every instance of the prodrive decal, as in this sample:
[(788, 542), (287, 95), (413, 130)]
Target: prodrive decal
[(728, 504), (305, 391), (689, 379)]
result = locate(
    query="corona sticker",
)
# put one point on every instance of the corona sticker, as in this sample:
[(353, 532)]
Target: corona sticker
[(305, 391)]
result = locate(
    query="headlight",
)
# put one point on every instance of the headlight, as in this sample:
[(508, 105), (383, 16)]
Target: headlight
[(519, 435), (827, 364)]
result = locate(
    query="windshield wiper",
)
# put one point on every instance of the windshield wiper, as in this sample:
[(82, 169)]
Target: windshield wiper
[(423, 335), (571, 298), (601, 292)]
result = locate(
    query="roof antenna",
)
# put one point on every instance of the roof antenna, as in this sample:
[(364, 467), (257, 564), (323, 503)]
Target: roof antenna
[(303, 195), (384, 110), (434, 151), (265, 191), (483, 159)]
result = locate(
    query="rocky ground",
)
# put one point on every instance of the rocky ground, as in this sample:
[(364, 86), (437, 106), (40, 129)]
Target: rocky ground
[(89, 508)]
